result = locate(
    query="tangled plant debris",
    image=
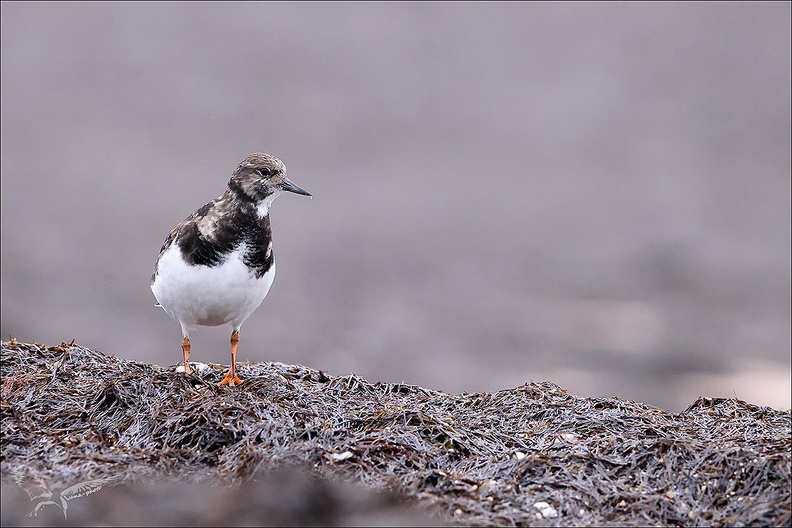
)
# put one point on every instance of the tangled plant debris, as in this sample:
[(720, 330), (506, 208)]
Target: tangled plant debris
[(532, 455)]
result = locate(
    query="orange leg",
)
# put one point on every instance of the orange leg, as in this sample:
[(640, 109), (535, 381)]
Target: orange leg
[(231, 378), (186, 350)]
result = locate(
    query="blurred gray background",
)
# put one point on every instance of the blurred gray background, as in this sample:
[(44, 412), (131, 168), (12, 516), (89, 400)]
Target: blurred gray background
[(592, 194)]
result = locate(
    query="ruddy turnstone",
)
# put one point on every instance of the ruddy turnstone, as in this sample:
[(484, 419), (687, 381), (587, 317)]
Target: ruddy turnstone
[(217, 266)]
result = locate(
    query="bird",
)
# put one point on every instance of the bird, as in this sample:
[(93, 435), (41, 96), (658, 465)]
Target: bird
[(217, 265), (37, 490)]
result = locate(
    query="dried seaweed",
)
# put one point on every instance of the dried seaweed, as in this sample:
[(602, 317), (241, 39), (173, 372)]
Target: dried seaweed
[(533, 455)]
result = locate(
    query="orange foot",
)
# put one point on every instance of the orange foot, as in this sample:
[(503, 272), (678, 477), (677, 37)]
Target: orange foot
[(230, 380)]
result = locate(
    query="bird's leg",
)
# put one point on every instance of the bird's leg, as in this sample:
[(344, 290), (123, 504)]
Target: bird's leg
[(231, 378), (186, 350)]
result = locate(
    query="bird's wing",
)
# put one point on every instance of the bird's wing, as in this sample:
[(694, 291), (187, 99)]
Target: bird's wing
[(33, 486), (83, 488)]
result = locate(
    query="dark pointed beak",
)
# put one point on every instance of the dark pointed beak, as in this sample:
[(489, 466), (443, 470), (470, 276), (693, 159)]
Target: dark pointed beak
[(288, 185)]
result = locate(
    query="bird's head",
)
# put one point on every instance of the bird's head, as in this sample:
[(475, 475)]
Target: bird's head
[(262, 177)]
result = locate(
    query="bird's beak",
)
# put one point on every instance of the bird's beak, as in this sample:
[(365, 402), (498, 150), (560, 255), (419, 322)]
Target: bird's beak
[(288, 185)]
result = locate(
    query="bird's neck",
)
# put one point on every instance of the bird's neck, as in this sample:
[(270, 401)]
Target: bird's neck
[(262, 207)]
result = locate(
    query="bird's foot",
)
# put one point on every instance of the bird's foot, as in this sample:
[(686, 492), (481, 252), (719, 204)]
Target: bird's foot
[(230, 380)]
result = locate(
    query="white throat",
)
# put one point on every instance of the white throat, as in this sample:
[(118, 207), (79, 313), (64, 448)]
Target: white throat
[(264, 205)]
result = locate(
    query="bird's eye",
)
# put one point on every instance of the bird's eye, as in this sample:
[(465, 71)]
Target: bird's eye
[(265, 172)]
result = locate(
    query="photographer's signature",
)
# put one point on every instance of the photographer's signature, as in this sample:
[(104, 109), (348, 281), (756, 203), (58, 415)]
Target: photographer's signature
[(38, 491)]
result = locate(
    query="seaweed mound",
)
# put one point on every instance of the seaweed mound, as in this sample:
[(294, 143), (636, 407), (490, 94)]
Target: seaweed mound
[(532, 455)]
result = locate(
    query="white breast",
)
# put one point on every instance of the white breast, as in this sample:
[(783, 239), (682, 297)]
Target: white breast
[(209, 295)]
